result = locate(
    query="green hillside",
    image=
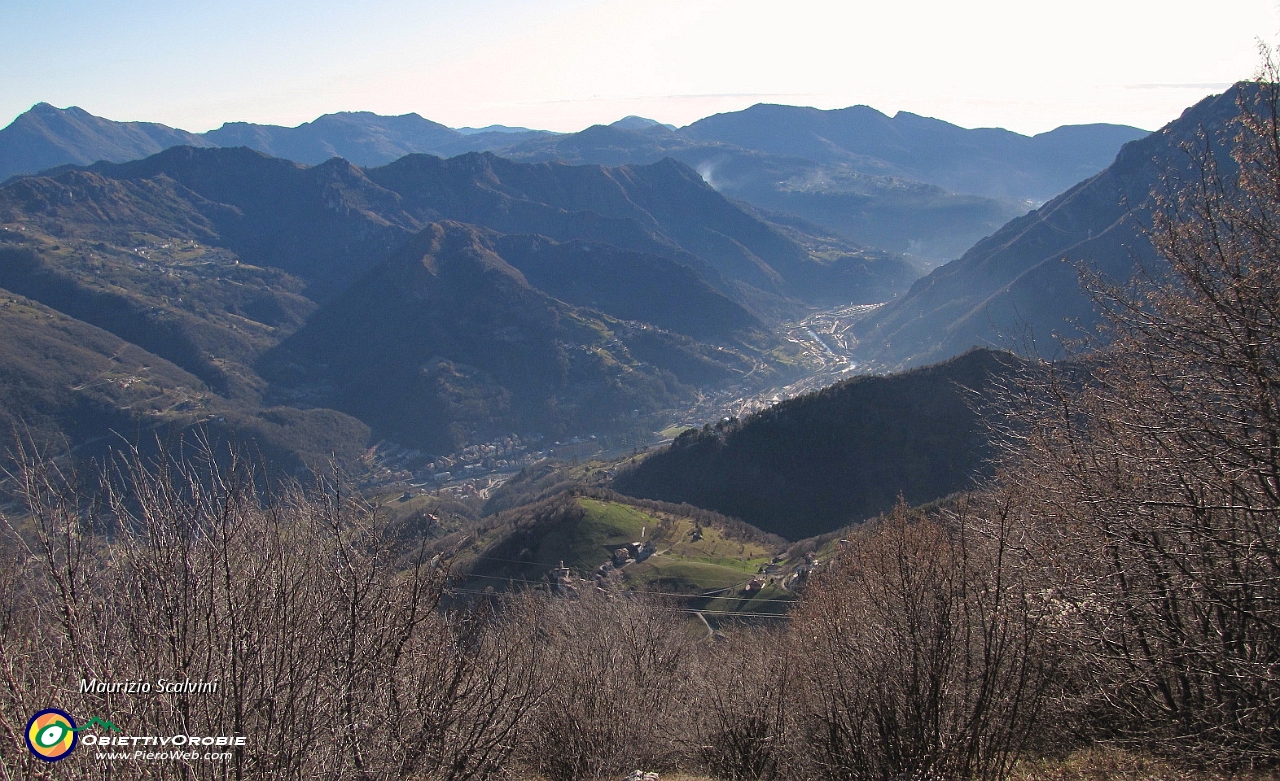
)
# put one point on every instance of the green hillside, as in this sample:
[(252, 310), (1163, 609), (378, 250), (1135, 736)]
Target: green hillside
[(682, 551)]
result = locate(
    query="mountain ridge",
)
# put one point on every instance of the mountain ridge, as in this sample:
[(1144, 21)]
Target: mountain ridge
[(922, 148)]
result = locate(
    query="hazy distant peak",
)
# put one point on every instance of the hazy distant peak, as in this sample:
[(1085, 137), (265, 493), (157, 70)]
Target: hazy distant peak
[(412, 115), (44, 111), (46, 136), (1092, 128), (471, 131), (908, 117), (370, 118), (859, 109), (49, 108), (633, 122)]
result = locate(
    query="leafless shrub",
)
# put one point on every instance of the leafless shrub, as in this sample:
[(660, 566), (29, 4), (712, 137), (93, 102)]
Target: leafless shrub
[(922, 651), (615, 687), (332, 663), (740, 713)]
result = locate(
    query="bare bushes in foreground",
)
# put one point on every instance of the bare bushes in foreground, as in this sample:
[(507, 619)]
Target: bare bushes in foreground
[(925, 651), (742, 709), (617, 687), (328, 660)]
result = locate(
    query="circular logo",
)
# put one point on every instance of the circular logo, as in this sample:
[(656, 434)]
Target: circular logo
[(51, 734)]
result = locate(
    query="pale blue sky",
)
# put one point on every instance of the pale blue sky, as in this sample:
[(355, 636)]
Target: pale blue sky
[(564, 64)]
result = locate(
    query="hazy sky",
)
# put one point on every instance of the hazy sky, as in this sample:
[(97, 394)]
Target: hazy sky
[(565, 64)]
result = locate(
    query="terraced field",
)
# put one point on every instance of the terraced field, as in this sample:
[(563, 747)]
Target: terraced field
[(705, 567)]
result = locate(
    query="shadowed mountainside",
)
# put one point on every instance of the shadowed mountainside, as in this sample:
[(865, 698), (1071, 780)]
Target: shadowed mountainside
[(447, 342), (330, 223), (812, 464), (1018, 289)]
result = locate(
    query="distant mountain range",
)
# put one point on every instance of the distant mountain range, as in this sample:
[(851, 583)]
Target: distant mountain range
[(1018, 289), (45, 137), (363, 138), (986, 161), (875, 209), (903, 184)]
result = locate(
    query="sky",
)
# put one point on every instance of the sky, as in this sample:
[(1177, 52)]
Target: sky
[(565, 64)]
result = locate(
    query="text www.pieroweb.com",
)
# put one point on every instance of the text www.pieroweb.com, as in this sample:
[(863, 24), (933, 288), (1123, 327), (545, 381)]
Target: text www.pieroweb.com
[(159, 749)]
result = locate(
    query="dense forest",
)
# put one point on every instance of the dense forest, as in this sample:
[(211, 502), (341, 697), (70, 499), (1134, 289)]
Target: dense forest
[(813, 464)]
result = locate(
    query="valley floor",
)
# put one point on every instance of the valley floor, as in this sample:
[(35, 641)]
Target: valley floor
[(822, 338)]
